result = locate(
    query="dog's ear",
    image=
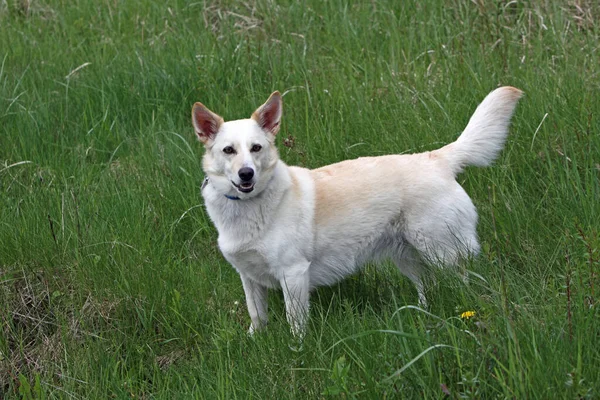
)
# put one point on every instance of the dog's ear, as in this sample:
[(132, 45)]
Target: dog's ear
[(268, 115), (206, 123)]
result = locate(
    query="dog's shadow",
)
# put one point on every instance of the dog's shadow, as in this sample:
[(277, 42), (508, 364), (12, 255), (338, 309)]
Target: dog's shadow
[(374, 290)]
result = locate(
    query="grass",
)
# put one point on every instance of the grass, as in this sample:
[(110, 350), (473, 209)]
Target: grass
[(111, 282)]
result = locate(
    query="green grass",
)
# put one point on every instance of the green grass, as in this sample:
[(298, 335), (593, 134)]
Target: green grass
[(111, 282)]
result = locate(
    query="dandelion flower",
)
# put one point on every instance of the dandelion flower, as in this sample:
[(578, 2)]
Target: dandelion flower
[(467, 314)]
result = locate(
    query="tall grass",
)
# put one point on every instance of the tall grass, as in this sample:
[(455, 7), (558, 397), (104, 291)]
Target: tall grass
[(111, 282)]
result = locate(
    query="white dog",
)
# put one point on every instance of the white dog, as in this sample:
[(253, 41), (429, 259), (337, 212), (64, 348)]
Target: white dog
[(296, 229)]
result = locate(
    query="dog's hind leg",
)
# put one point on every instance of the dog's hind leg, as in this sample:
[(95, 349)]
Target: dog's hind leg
[(446, 243), (408, 262), (443, 246), (445, 233), (256, 301)]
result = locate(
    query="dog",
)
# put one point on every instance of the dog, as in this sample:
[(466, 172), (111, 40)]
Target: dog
[(297, 229)]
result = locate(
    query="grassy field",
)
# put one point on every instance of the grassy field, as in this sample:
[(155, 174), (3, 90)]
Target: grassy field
[(111, 282)]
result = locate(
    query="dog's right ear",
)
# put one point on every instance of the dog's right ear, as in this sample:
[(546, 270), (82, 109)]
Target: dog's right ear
[(206, 123)]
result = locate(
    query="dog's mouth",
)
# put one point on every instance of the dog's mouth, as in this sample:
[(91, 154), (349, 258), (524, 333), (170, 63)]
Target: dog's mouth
[(244, 187)]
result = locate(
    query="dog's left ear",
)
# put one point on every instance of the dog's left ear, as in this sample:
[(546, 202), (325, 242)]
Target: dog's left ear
[(268, 115)]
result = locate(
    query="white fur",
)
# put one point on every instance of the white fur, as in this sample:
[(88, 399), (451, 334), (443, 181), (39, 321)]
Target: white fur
[(299, 228)]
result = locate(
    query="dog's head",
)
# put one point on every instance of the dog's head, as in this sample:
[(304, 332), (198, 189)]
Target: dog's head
[(240, 155)]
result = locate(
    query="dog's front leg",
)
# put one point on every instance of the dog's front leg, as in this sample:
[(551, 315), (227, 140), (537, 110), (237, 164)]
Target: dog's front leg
[(256, 301), (295, 287)]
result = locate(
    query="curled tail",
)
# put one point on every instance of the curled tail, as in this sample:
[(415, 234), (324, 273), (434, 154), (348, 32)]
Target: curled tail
[(485, 134)]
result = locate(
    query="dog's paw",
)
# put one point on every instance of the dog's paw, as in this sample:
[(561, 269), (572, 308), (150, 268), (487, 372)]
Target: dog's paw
[(253, 329), (297, 339), (296, 347)]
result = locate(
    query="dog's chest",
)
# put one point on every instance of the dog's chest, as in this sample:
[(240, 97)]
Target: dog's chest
[(250, 261), (242, 241)]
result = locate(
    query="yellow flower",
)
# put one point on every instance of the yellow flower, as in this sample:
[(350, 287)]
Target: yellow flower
[(467, 314)]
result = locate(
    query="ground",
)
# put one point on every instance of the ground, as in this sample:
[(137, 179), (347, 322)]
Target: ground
[(111, 283)]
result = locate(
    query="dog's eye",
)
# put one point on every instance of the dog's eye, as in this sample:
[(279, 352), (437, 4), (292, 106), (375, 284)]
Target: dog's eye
[(228, 150), (256, 148)]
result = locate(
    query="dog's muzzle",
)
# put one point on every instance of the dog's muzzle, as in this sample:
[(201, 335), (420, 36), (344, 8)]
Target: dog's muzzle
[(246, 184)]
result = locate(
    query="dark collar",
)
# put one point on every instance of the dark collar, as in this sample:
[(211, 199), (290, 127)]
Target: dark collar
[(206, 183)]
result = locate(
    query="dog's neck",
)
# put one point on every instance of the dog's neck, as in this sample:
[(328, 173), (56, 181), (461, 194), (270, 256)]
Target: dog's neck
[(207, 181)]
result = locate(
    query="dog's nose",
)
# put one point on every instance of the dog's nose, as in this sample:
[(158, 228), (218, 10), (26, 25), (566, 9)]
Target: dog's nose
[(246, 173)]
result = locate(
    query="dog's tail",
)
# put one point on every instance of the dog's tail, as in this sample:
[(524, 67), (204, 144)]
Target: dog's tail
[(485, 134)]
